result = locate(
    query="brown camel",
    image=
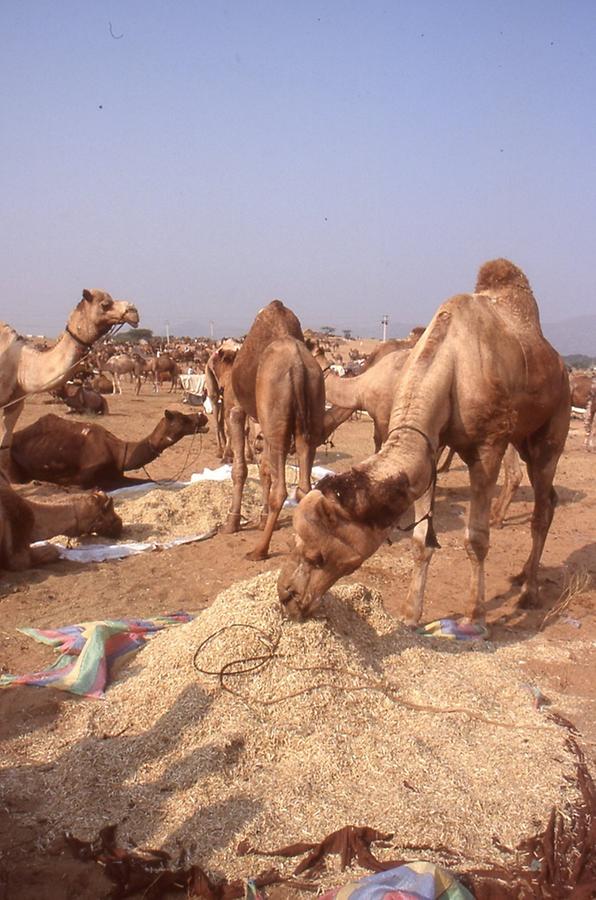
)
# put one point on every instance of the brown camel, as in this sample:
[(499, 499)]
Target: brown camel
[(276, 382), (391, 346), (82, 399), (80, 453), (25, 370), (580, 384), (123, 364), (372, 391), (482, 376), (24, 521), (590, 416), (218, 375), (161, 367)]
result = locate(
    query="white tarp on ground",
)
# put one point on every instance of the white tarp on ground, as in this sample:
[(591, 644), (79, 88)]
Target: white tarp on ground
[(102, 552)]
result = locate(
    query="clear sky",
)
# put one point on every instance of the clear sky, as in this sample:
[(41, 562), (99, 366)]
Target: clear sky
[(351, 158)]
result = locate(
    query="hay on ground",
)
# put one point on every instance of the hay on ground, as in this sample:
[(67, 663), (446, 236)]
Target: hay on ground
[(354, 721)]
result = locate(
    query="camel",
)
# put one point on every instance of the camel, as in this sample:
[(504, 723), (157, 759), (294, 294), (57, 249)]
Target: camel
[(80, 453), (482, 376), (590, 415), (123, 364), (372, 391), (581, 384), (161, 367), (276, 382), (25, 370), (391, 346), (218, 374), (24, 521), (82, 399)]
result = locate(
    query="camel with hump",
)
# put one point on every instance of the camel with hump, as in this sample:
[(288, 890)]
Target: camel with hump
[(25, 370), (24, 521), (481, 377), (85, 454), (276, 381)]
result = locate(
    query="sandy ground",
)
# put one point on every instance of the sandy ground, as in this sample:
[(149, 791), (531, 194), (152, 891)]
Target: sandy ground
[(189, 577)]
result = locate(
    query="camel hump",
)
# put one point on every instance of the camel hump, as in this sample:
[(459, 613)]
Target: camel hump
[(275, 320), (510, 290)]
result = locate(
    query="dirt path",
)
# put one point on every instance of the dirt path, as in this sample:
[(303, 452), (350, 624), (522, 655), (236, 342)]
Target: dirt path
[(190, 577)]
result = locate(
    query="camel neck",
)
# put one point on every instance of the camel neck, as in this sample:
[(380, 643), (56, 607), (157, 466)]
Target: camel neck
[(43, 370), (54, 518), (138, 453)]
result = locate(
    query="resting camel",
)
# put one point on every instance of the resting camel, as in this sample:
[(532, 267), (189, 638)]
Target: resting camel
[(80, 453), (23, 522), (25, 370), (82, 399), (275, 381), (482, 376)]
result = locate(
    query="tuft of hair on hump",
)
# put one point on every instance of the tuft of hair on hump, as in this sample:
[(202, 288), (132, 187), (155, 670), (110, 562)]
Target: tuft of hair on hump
[(501, 273)]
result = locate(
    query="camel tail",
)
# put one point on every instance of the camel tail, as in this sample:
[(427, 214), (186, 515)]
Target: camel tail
[(302, 418)]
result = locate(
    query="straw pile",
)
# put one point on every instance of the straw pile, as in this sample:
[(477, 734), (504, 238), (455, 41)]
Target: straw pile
[(164, 513), (349, 723)]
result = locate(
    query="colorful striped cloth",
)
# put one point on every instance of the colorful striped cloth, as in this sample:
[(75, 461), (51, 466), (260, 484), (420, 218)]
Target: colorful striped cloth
[(456, 631), (88, 652), (414, 881)]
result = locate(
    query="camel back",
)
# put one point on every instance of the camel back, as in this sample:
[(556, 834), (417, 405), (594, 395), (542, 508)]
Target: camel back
[(273, 322)]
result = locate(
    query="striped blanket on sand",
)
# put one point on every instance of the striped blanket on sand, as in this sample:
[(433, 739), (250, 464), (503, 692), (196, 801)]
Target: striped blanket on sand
[(88, 652)]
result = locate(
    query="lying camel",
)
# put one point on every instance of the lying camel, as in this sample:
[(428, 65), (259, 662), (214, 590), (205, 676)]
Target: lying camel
[(23, 522), (26, 370), (482, 376), (80, 453), (275, 381), (82, 399)]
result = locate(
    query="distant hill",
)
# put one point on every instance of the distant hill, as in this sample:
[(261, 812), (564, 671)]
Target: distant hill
[(577, 335)]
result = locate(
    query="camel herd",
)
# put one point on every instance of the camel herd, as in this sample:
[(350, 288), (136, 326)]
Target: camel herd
[(481, 379)]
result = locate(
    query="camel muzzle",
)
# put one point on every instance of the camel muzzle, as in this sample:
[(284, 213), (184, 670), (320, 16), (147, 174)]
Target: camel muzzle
[(131, 316)]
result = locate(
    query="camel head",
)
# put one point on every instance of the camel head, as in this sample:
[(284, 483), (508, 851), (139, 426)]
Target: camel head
[(96, 515), (337, 526), (96, 313), (176, 425)]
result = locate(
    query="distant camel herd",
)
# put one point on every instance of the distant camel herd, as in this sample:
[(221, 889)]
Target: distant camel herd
[(481, 379)]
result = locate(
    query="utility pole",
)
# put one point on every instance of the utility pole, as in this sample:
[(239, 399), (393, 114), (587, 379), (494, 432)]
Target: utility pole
[(168, 333), (385, 323)]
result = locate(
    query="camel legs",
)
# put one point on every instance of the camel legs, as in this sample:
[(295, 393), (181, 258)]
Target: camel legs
[(512, 480), (273, 467), (422, 556), (305, 451), (236, 425), (10, 414), (589, 421), (542, 473), (484, 471)]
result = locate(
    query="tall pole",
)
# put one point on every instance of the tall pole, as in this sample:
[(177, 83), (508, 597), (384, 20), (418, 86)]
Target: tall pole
[(385, 323), (168, 333)]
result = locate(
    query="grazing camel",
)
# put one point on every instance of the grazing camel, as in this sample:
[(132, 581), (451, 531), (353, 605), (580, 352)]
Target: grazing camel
[(482, 376), (25, 370), (80, 453), (24, 521), (275, 381)]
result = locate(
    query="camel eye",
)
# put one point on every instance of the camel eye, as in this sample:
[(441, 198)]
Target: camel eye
[(316, 560), (106, 304)]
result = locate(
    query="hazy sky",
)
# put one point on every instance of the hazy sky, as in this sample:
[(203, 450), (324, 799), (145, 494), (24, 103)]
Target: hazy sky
[(351, 158)]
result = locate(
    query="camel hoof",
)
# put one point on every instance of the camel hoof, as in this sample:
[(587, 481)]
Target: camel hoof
[(528, 600), (257, 555), (231, 525)]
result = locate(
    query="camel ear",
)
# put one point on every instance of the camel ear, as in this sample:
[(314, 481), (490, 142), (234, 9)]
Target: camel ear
[(169, 415), (87, 295)]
